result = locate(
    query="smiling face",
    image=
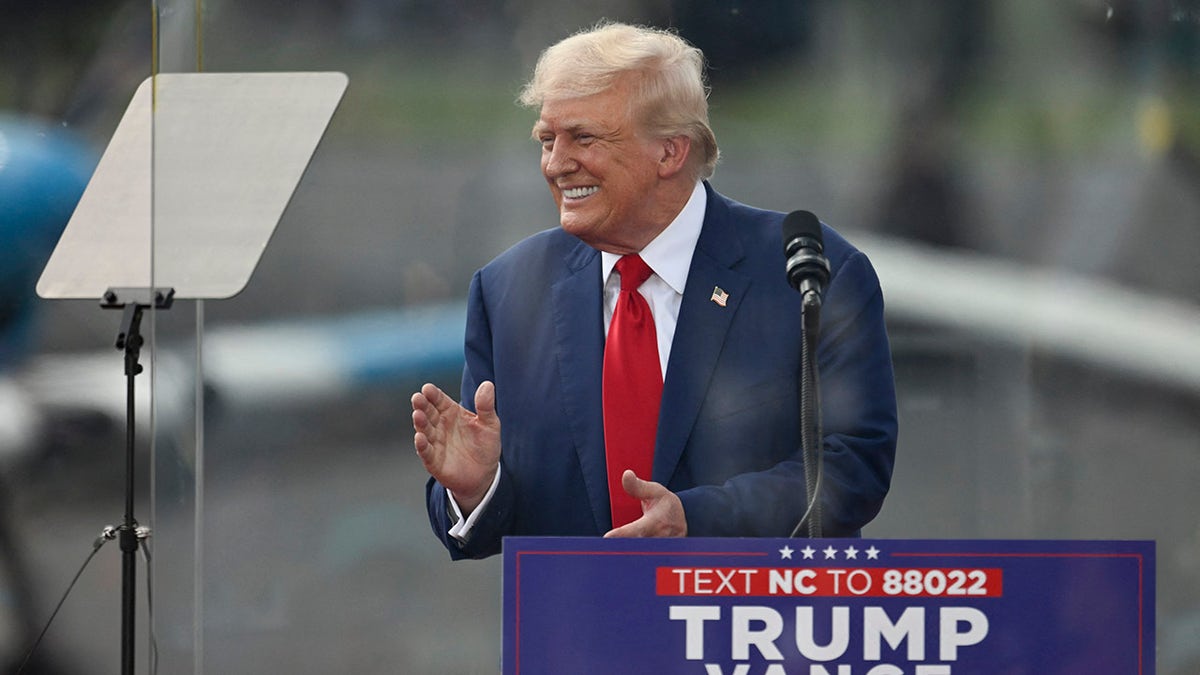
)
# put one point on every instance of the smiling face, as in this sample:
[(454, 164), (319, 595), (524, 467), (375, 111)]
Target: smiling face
[(615, 188)]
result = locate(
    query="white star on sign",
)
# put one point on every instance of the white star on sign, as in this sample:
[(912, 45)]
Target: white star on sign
[(851, 553), (872, 553), (786, 552), (808, 552), (831, 553)]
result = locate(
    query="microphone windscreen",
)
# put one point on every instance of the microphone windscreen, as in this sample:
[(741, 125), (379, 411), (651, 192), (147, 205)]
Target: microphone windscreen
[(800, 224)]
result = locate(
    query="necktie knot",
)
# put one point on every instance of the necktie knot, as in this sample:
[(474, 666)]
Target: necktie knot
[(634, 272)]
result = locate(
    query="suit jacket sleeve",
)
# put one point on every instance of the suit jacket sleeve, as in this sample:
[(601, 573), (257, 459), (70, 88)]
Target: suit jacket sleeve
[(496, 520)]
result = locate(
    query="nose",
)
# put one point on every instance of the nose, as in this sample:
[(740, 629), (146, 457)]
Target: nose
[(557, 161)]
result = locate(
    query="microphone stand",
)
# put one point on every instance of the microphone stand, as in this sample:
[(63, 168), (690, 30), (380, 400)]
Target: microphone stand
[(808, 272), (132, 301), (810, 415)]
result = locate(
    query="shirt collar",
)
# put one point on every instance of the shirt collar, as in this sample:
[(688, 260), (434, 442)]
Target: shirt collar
[(670, 253)]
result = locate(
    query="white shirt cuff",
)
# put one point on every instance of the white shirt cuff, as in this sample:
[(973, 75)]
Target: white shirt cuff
[(461, 530)]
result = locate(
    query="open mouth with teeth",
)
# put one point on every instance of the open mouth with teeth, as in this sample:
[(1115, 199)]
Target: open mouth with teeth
[(580, 192)]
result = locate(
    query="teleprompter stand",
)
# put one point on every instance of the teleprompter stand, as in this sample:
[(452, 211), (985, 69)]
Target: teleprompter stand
[(130, 535), (181, 206)]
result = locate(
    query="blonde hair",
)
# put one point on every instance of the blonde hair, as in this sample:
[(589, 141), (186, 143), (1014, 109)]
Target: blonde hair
[(670, 96)]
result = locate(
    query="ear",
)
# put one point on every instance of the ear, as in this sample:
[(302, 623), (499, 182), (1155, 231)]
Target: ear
[(674, 157)]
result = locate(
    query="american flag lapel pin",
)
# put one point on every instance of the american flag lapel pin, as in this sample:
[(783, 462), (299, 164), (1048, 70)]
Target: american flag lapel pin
[(719, 296)]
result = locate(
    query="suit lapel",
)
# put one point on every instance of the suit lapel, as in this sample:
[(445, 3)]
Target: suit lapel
[(578, 315), (699, 333)]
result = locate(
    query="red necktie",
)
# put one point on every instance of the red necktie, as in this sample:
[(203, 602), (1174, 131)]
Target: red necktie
[(632, 389)]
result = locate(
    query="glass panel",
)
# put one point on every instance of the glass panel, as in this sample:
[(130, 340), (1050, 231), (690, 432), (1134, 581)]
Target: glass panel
[(1023, 175), (315, 517), (174, 641)]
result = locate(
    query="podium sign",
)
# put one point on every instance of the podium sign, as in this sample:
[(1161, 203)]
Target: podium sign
[(827, 606)]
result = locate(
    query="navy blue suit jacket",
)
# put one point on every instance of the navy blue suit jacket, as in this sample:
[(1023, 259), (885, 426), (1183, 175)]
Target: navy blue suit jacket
[(728, 438)]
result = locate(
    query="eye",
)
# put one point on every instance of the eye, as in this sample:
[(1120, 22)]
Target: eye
[(547, 143), (584, 138)]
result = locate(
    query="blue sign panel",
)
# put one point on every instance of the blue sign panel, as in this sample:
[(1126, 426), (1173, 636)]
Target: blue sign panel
[(827, 606)]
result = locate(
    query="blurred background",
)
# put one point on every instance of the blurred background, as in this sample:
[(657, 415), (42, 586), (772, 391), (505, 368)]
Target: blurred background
[(1025, 175)]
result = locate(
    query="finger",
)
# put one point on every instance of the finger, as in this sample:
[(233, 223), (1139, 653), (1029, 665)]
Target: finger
[(427, 423), (636, 487), (485, 402), (634, 529), (426, 451), (429, 456), (422, 406), (430, 391), (438, 400)]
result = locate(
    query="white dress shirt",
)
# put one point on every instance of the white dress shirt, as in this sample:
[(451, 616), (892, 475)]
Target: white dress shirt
[(669, 255)]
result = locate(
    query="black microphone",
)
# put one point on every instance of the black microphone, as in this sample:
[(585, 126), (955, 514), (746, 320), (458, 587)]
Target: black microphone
[(807, 266)]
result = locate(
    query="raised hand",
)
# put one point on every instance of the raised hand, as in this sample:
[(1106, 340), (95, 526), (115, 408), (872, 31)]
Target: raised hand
[(460, 449)]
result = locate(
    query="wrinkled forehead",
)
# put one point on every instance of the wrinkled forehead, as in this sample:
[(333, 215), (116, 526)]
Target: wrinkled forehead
[(613, 107)]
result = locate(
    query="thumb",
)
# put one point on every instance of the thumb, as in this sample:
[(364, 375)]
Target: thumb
[(636, 487), (485, 401)]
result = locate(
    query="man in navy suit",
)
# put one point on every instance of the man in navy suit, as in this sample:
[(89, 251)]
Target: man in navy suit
[(626, 152)]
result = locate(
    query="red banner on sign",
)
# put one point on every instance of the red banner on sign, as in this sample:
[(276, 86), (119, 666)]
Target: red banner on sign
[(859, 582)]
